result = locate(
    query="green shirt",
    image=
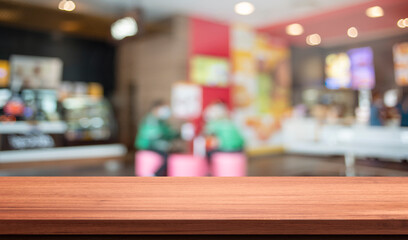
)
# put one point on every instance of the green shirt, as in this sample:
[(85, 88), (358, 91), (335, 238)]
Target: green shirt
[(154, 134), (228, 135)]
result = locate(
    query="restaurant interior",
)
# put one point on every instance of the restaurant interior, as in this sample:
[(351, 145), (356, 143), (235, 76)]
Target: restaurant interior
[(203, 88)]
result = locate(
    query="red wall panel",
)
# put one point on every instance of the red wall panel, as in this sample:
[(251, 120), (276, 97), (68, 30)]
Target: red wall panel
[(209, 38)]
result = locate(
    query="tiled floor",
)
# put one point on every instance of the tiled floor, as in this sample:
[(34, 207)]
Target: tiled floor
[(276, 165)]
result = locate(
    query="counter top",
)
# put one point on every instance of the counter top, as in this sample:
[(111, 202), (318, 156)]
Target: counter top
[(22, 127), (252, 205), (63, 153)]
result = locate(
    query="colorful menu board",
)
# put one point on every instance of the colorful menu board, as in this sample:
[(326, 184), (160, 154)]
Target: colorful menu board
[(4, 73), (401, 63), (338, 71), (209, 71), (354, 69), (261, 86), (362, 68), (35, 72)]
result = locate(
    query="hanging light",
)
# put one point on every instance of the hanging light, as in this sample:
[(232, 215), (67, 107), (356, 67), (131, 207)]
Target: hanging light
[(294, 29), (313, 39), (66, 5), (375, 12), (244, 8), (352, 32), (124, 27), (405, 22), (400, 23), (61, 5), (69, 6)]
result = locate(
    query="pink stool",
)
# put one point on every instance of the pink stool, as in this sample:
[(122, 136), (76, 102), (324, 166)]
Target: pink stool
[(147, 163), (182, 165), (229, 164)]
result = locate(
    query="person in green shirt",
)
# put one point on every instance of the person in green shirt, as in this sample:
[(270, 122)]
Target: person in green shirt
[(155, 134), (222, 134)]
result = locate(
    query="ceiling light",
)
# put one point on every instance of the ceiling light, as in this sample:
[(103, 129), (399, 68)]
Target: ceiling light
[(352, 32), (69, 6), (405, 22), (66, 5), (124, 27), (400, 23), (294, 29), (61, 5), (375, 12), (313, 39), (244, 8)]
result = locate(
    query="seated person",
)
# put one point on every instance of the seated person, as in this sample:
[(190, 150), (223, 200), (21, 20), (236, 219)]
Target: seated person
[(402, 107), (155, 133), (221, 133), (376, 110)]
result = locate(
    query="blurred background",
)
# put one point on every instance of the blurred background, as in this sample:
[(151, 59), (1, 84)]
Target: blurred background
[(203, 88)]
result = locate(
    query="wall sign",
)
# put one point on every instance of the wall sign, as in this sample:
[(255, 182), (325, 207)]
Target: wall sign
[(209, 71), (186, 101), (35, 72)]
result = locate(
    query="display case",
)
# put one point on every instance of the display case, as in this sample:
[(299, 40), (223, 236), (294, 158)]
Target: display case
[(89, 119), (30, 119)]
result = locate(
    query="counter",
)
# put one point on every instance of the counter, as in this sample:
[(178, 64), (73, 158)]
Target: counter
[(57, 127), (307, 137), (113, 151), (162, 206)]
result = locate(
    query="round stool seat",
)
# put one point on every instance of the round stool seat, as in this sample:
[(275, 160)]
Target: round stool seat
[(183, 165), (147, 163), (226, 164)]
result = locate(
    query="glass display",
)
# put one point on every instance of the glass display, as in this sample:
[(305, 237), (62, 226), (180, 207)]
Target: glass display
[(88, 119), (41, 105)]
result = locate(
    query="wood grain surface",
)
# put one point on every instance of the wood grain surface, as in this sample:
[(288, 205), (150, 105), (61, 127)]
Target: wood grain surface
[(133, 205)]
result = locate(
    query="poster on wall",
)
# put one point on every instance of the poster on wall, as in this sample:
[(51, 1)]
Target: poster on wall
[(401, 63), (242, 38), (209, 71), (244, 87), (186, 100), (273, 71), (261, 86), (35, 72), (4, 73)]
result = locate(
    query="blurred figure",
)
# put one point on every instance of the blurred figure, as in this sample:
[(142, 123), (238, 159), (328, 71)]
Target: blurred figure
[(221, 133), (155, 133), (334, 113), (376, 110), (402, 107)]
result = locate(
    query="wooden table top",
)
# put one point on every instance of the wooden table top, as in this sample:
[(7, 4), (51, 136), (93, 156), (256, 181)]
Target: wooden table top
[(253, 205)]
